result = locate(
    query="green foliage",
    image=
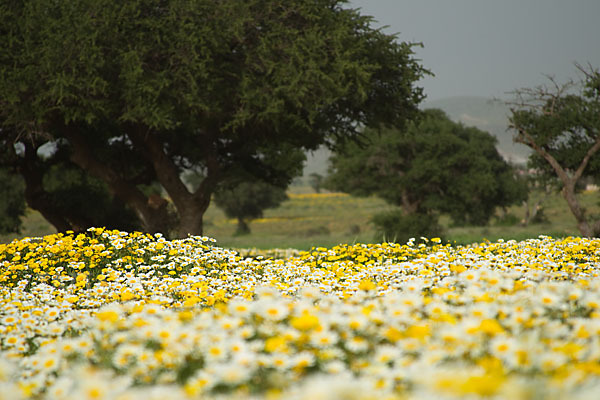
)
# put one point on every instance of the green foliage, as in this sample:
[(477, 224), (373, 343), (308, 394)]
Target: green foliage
[(316, 181), (507, 219), (434, 165), (85, 200), (318, 230), (210, 86), (39, 172), (395, 226), (561, 123), (565, 126), (257, 68), (12, 201), (490, 115), (246, 200)]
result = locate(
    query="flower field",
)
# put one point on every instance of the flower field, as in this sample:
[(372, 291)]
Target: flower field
[(115, 315)]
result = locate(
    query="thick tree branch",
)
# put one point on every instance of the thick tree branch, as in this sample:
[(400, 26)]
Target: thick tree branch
[(525, 138), (37, 198), (166, 170), (83, 156), (568, 190), (207, 186), (190, 206), (586, 159)]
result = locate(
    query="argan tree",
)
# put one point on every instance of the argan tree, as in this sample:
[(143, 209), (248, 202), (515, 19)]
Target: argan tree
[(432, 166), (560, 122), (67, 197), (143, 90)]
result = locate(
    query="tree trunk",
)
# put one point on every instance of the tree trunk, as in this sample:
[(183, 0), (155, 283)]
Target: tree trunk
[(190, 206), (190, 222), (531, 211), (151, 211), (37, 197), (409, 207), (587, 227), (568, 191), (190, 227), (153, 219), (578, 212), (242, 227)]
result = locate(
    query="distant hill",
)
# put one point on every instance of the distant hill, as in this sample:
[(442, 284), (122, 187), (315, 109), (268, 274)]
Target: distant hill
[(483, 113), (488, 115)]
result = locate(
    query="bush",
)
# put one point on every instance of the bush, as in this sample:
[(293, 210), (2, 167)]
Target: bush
[(354, 230), (507, 219), (394, 226), (320, 230), (540, 216)]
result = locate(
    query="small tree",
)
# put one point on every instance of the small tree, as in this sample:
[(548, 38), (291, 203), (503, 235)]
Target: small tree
[(247, 200), (433, 166), (540, 189), (316, 181), (561, 124)]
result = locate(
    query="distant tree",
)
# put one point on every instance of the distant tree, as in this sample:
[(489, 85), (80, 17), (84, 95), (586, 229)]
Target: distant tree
[(246, 200), (539, 189), (561, 124), (316, 181), (138, 92), (432, 166)]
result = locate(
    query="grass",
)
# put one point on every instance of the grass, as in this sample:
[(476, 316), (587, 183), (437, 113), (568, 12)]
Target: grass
[(305, 220), (33, 225), (308, 220)]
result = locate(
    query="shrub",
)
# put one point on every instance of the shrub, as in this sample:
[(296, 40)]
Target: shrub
[(354, 230), (507, 219), (394, 226), (320, 230)]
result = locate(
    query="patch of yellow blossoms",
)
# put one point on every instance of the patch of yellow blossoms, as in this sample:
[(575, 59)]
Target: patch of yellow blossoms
[(112, 315)]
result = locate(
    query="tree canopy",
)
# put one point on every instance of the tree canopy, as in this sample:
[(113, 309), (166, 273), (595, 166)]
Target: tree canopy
[(560, 122), (137, 92), (432, 166)]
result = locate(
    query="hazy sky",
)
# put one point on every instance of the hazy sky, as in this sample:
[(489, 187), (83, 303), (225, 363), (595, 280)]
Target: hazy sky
[(490, 47)]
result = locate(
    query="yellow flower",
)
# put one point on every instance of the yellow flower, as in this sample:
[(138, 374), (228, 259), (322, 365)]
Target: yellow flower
[(108, 315), (366, 284), (486, 384), (490, 327), (393, 334), (305, 322)]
